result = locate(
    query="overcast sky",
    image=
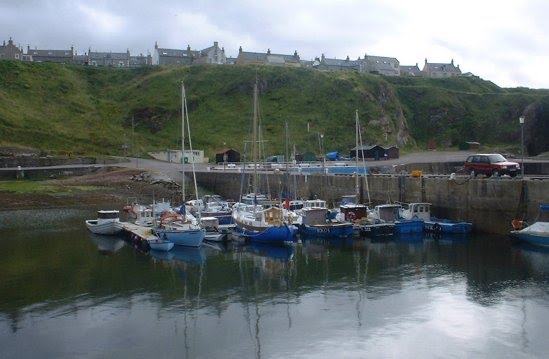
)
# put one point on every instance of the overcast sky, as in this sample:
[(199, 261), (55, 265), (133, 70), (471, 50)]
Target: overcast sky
[(505, 41)]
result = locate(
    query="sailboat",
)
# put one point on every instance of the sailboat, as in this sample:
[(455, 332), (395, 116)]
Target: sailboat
[(255, 216), (182, 228), (350, 208)]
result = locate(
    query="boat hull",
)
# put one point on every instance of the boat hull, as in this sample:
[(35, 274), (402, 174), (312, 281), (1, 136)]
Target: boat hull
[(409, 226), (160, 245), (104, 227), (536, 238), (377, 230), (448, 227), (336, 230), (270, 234), (187, 237)]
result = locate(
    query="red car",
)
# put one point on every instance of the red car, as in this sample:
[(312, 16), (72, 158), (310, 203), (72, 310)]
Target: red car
[(490, 164)]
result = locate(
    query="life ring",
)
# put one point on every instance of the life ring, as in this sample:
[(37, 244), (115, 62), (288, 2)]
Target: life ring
[(351, 216), (517, 224)]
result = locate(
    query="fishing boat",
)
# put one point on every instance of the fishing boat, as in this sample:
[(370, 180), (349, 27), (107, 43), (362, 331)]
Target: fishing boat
[(255, 216), (214, 233), (390, 213), (107, 222), (536, 233), (316, 221), (433, 224), (181, 228)]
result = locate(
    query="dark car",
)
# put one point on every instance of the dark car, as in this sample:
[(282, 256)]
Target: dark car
[(490, 164)]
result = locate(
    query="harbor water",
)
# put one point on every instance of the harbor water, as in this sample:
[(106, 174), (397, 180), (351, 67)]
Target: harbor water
[(65, 293)]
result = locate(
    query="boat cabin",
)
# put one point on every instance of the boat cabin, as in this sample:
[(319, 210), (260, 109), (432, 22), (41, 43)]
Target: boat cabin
[(108, 214), (386, 212), (416, 210)]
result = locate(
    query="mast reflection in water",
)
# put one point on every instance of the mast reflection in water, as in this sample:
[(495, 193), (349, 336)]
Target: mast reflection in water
[(67, 293)]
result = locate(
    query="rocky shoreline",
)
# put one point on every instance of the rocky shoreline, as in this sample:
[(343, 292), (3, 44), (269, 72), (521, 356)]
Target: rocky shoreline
[(105, 185)]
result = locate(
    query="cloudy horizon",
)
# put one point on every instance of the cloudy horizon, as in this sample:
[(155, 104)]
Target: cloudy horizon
[(503, 42)]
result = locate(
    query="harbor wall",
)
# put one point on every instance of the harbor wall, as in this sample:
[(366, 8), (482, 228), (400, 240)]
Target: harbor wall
[(489, 203)]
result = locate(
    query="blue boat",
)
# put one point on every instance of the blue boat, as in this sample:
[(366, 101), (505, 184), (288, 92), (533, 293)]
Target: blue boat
[(181, 235), (537, 233), (391, 213), (422, 210), (160, 245), (255, 216), (262, 224), (316, 222)]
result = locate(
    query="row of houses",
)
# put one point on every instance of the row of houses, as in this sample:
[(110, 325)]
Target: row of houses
[(387, 66)]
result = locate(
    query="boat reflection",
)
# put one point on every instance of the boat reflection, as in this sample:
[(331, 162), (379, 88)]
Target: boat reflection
[(107, 245), (190, 255), (281, 252)]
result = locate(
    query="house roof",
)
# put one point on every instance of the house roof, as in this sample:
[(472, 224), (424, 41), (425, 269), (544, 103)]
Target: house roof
[(441, 67), (410, 70), (177, 52), (50, 53), (109, 55)]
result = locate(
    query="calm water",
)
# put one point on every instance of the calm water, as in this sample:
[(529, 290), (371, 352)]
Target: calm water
[(65, 293)]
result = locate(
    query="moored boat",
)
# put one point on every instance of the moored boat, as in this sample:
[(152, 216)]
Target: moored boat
[(107, 222), (390, 213), (422, 210), (256, 217), (316, 222), (160, 245), (536, 233)]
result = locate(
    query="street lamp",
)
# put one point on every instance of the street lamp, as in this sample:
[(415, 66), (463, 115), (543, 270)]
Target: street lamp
[(322, 150), (521, 121)]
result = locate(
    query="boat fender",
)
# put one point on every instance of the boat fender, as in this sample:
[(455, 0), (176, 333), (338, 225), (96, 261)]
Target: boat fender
[(517, 224), (437, 228)]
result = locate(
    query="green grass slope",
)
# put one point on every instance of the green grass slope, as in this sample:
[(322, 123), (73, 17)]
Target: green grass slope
[(83, 110)]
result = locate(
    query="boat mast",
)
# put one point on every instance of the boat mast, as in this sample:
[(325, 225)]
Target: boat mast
[(182, 143), (184, 109), (357, 199), (255, 147)]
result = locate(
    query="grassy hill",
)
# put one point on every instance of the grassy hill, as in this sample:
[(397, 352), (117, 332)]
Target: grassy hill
[(83, 110)]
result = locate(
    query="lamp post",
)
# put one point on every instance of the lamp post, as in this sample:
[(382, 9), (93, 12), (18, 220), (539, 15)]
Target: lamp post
[(521, 121), (322, 150)]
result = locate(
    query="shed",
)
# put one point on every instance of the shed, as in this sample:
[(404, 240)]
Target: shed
[(392, 152), (376, 152), (227, 155)]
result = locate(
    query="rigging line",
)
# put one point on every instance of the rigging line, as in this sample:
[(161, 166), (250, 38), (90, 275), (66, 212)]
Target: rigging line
[(364, 166)]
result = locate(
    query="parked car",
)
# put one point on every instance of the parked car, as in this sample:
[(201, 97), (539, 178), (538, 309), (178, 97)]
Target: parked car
[(490, 164)]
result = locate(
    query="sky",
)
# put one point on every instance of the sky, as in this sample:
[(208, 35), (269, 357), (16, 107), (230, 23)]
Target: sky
[(503, 41)]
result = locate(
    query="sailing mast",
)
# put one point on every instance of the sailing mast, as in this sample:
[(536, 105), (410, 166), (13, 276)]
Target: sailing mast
[(183, 100), (357, 193), (185, 114), (255, 147)]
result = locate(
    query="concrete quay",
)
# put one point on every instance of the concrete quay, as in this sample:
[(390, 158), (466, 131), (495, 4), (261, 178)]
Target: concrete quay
[(489, 203)]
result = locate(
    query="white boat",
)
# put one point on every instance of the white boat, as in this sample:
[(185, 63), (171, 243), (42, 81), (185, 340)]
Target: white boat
[(212, 205), (214, 232), (537, 233), (107, 222)]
